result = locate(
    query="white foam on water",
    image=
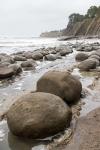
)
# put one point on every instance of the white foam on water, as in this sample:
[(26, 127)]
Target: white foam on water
[(13, 45), (40, 147), (2, 133), (17, 88)]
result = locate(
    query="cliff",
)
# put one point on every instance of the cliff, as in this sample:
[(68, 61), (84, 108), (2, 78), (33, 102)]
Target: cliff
[(80, 25), (87, 27)]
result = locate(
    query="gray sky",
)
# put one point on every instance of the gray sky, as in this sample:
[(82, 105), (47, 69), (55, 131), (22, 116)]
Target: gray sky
[(31, 17)]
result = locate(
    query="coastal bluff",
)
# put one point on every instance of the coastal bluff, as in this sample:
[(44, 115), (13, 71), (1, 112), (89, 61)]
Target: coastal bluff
[(87, 27)]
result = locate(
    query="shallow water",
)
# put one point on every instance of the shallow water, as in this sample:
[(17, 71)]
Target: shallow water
[(14, 45), (10, 142), (27, 82)]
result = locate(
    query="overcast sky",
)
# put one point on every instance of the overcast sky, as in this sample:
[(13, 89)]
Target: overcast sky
[(31, 17)]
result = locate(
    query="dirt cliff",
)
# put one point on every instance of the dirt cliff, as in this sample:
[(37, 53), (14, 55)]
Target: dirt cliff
[(87, 27)]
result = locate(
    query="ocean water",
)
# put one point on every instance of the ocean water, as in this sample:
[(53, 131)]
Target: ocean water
[(12, 45)]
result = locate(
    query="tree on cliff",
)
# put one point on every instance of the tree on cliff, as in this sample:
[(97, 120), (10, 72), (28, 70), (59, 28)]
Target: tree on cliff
[(98, 11), (73, 18), (92, 12)]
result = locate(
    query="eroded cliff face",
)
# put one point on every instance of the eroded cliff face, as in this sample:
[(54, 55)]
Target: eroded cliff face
[(88, 27)]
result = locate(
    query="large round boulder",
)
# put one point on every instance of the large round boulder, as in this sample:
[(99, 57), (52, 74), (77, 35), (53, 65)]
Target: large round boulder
[(65, 52), (95, 56), (28, 65), (19, 58), (81, 57), (28, 55), (50, 57), (6, 72), (16, 68), (38, 115), (6, 59), (88, 64), (62, 84), (37, 56), (97, 52)]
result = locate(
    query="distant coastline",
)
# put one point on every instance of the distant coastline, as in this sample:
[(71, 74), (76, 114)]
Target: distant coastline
[(52, 34), (80, 25)]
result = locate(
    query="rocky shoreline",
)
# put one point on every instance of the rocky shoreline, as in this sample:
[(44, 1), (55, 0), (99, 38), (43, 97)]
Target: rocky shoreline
[(87, 58)]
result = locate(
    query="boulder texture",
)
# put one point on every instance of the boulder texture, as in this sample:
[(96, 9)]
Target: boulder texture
[(37, 56), (62, 84), (95, 56), (16, 68), (65, 52), (19, 58), (6, 72), (28, 55), (88, 64), (50, 57), (4, 58), (27, 64), (81, 56), (38, 115), (9, 71)]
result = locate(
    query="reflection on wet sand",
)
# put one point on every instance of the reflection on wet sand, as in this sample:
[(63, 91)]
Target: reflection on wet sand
[(16, 143), (10, 142)]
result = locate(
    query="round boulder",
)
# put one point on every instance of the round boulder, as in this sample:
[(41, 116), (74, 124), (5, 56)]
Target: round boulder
[(38, 115), (16, 68), (19, 58), (28, 64), (62, 84), (88, 64), (81, 57), (95, 56), (50, 57), (6, 59), (37, 56), (65, 52), (28, 55), (6, 72)]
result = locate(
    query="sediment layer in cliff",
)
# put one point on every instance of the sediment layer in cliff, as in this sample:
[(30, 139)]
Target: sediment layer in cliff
[(87, 27)]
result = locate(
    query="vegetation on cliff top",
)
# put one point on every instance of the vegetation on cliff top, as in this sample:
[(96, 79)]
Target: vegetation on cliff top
[(92, 12)]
